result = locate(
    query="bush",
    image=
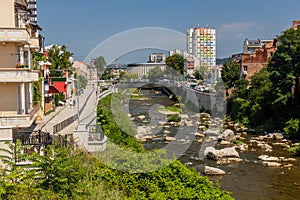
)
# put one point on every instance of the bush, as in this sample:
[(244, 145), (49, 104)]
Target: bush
[(238, 142), (174, 118), (292, 128), (59, 97)]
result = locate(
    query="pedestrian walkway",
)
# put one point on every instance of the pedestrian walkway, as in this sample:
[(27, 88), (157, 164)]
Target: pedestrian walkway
[(64, 112), (84, 112)]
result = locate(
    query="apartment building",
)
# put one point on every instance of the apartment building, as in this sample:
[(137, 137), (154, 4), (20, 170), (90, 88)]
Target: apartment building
[(19, 39), (201, 43), (157, 58)]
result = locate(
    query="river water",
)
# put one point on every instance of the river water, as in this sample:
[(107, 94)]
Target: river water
[(249, 179)]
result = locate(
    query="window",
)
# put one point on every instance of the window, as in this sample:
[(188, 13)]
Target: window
[(245, 69)]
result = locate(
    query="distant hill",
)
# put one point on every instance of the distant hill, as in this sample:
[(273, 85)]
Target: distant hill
[(221, 61)]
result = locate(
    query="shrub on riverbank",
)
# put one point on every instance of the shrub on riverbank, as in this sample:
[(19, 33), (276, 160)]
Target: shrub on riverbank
[(68, 173), (174, 181)]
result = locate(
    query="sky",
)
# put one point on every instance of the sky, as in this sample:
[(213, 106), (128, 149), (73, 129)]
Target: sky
[(91, 27)]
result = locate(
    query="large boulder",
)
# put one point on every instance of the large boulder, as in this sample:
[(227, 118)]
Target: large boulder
[(227, 135), (214, 154), (213, 171)]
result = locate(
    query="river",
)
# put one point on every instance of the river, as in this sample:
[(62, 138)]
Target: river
[(249, 179)]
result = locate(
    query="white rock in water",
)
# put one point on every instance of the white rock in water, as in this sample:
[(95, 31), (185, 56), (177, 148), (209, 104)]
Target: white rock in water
[(223, 153), (213, 171), (142, 117), (223, 142), (272, 164), (170, 138), (227, 135), (268, 158)]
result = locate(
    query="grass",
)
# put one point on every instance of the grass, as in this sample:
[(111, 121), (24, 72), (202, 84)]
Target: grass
[(238, 142), (173, 109)]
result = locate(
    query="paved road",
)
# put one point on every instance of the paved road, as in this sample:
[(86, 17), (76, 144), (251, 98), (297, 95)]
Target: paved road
[(87, 103)]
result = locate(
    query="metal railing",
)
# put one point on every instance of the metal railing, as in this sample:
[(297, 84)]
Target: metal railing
[(60, 126)]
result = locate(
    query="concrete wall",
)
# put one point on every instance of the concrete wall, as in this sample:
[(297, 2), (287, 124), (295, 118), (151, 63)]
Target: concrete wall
[(7, 13), (9, 97), (8, 55)]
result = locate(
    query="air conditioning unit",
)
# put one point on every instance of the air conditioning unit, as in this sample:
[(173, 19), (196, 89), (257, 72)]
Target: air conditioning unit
[(245, 72)]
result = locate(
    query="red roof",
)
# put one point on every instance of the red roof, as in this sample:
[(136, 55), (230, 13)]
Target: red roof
[(60, 86), (57, 87), (53, 90)]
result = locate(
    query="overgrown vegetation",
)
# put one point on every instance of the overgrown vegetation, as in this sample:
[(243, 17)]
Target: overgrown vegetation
[(272, 100), (59, 97), (173, 109), (68, 173), (174, 118)]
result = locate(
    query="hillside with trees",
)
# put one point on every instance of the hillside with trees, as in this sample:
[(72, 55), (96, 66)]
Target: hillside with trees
[(272, 101)]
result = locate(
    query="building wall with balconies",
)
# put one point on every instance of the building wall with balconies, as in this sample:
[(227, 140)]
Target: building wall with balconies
[(18, 40)]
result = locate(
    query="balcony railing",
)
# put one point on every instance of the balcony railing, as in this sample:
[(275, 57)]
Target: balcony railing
[(34, 111), (13, 119), (14, 35)]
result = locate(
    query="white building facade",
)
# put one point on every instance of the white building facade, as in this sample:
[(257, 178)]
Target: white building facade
[(19, 39), (201, 43)]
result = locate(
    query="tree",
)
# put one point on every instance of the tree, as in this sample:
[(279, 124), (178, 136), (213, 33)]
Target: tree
[(155, 74), (176, 62), (198, 75), (82, 81), (230, 73), (60, 60), (100, 63), (284, 68)]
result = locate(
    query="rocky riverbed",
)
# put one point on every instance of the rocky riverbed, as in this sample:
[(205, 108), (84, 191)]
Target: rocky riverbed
[(251, 166)]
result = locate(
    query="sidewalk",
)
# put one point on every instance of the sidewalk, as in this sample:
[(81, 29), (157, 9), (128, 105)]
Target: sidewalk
[(64, 112)]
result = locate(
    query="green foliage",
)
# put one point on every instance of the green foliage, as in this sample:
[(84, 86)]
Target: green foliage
[(116, 124), (230, 73), (129, 76), (74, 174), (198, 74), (173, 109), (82, 81), (272, 100), (174, 181), (36, 90), (176, 62), (155, 74), (58, 174), (60, 61), (59, 97), (238, 142), (249, 104), (36, 58), (295, 149), (292, 128), (173, 118)]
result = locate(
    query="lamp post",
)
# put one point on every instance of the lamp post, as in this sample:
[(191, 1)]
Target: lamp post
[(77, 94)]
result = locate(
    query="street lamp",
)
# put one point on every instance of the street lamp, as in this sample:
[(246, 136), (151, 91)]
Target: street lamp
[(77, 94)]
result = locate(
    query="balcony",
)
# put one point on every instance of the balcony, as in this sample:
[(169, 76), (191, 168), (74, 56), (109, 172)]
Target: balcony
[(14, 120), (14, 35), (19, 75)]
